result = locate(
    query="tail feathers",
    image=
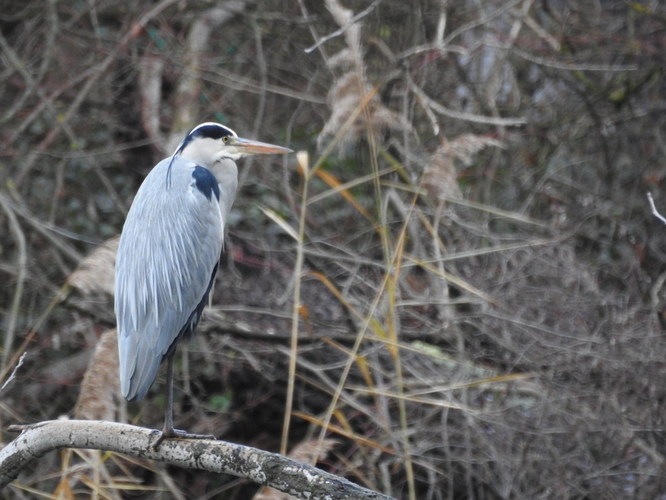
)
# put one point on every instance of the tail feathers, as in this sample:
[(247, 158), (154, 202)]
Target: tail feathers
[(139, 385), (138, 369)]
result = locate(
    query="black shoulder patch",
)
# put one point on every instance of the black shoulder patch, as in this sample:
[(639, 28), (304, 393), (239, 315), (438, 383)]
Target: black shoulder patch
[(206, 182)]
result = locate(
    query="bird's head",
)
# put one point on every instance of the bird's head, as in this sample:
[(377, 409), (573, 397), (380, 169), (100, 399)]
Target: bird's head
[(210, 143)]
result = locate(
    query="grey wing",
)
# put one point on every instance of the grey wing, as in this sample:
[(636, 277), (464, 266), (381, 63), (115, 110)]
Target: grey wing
[(168, 253)]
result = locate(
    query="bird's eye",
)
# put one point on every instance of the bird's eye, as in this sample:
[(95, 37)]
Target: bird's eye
[(225, 139)]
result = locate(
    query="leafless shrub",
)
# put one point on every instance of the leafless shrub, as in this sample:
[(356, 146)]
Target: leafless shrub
[(513, 330)]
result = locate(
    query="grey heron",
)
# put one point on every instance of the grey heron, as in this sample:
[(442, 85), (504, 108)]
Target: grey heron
[(169, 252)]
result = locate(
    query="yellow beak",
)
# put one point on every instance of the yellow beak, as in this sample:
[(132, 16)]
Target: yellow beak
[(250, 147)]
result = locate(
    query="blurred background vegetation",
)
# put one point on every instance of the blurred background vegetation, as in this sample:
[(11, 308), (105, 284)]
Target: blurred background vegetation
[(481, 281)]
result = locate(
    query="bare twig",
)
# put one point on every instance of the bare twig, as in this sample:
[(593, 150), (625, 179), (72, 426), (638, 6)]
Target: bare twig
[(12, 375), (572, 66), (262, 467), (189, 85), (344, 28), (21, 265), (655, 212), (49, 231), (480, 21), (99, 71), (427, 101)]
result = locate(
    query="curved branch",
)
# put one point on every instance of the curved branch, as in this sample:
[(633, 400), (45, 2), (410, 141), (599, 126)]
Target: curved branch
[(262, 467)]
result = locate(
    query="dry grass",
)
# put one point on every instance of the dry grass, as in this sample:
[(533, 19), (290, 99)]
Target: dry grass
[(460, 282)]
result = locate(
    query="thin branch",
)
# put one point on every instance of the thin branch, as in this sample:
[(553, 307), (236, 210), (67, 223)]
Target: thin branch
[(12, 375), (655, 212), (188, 90), (483, 19), (100, 70), (344, 28), (569, 66), (47, 230), (427, 101), (262, 467), (21, 266)]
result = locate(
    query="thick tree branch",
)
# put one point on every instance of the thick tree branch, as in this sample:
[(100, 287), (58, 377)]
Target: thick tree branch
[(262, 467)]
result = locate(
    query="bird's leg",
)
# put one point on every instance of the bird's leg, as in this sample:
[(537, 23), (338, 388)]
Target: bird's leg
[(169, 431)]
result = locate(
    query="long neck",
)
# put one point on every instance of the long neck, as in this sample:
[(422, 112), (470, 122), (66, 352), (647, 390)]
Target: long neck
[(203, 152), (226, 172), (208, 154)]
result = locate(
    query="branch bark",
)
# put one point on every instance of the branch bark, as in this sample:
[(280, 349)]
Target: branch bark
[(262, 467)]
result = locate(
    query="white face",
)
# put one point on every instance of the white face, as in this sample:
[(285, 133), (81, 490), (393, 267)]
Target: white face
[(209, 143), (207, 137)]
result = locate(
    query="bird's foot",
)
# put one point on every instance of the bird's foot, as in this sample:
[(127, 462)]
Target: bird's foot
[(178, 434)]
